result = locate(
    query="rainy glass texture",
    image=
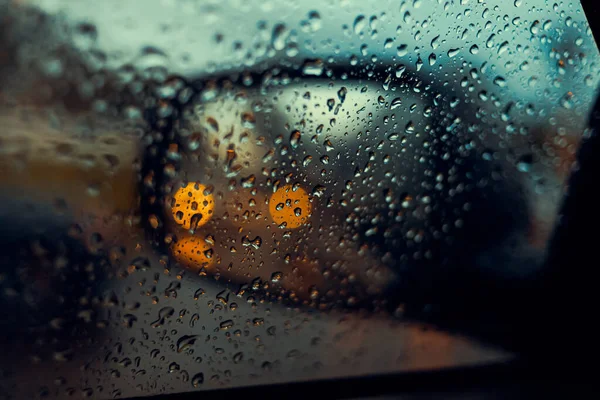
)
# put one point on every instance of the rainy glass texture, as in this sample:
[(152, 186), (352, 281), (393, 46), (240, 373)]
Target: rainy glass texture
[(214, 194)]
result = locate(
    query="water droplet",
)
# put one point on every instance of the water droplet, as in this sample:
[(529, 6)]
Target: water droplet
[(400, 69), (402, 50), (500, 81), (184, 342), (198, 293), (128, 320), (171, 290), (319, 191), (524, 163), (306, 161), (503, 48), (397, 102), (226, 324), (85, 36), (313, 67), (163, 314), (567, 100), (152, 58), (276, 277), (419, 63), (432, 59), (295, 138), (342, 94), (453, 52), (280, 36), (198, 380), (435, 42), (194, 318), (313, 24), (359, 24), (254, 243), (173, 367), (238, 357)]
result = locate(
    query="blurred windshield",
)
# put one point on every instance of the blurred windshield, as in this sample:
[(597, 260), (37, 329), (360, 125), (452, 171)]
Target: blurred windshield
[(202, 194)]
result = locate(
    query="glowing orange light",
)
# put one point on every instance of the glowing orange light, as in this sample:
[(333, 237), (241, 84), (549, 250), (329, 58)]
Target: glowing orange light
[(290, 207), (193, 252), (193, 206)]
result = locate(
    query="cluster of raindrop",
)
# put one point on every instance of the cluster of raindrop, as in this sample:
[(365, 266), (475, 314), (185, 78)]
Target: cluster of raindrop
[(321, 177)]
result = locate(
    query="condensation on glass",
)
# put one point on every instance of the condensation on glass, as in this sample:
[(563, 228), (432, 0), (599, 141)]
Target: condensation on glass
[(201, 194)]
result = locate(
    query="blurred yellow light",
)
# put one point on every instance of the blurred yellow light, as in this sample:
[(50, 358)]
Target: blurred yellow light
[(193, 208), (193, 252), (290, 207)]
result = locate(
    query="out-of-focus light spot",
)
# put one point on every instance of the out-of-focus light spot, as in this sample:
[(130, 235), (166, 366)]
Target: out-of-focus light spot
[(193, 206), (289, 207), (193, 252)]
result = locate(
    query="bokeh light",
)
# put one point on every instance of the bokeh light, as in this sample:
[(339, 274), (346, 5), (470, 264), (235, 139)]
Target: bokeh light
[(193, 252), (290, 207), (193, 206)]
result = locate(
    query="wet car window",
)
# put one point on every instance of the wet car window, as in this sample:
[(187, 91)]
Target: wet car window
[(200, 195)]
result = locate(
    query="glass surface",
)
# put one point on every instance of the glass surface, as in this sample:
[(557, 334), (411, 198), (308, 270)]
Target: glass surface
[(201, 194)]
